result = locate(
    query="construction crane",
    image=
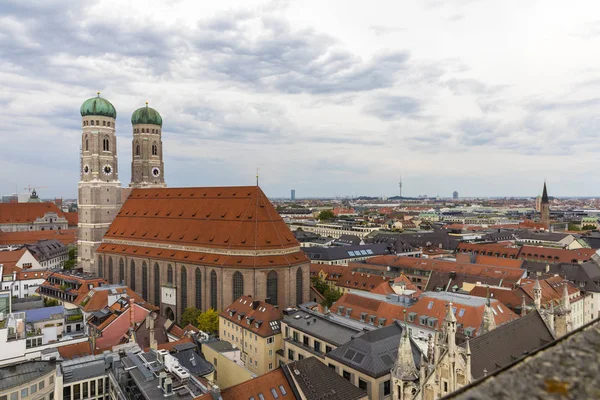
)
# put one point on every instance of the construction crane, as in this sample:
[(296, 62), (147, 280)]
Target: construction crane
[(29, 188)]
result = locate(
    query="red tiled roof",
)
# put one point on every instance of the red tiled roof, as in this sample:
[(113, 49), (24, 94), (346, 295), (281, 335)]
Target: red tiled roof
[(25, 213), (176, 331), (72, 218), (209, 259), (490, 249), (552, 289), (332, 272), (498, 261), (259, 385), (65, 236), (227, 218), (359, 305), (170, 345), (360, 280), (9, 260), (246, 312), (505, 296), (556, 255), (32, 274), (77, 350)]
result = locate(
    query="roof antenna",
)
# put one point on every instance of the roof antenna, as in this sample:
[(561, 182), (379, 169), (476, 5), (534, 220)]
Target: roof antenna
[(257, 169)]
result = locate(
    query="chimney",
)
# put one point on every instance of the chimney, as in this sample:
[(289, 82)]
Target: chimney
[(153, 344), (132, 311)]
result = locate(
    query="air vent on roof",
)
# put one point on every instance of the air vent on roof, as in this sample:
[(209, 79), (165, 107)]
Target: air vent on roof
[(194, 214), (218, 194), (197, 236), (204, 194), (181, 237), (192, 194), (208, 215), (169, 235), (224, 214), (211, 239), (179, 194), (145, 212), (233, 193), (239, 260), (156, 234), (168, 194), (156, 213), (181, 213)]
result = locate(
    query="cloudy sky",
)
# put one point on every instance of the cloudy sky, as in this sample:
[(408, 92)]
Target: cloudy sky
[(327, 97)]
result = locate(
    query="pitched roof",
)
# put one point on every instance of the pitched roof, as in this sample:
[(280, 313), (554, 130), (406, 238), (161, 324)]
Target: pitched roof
[(25, 213), (9, 260), (316, 381), (254, 315), (374, 352), (65, 236), (505, 296), (225, 218), (360, 280), (491, 249), (556, 255), (260, 385), (321, 327), (345, 252), (81, 349), (72, 218), (364, 306), (507, 343)]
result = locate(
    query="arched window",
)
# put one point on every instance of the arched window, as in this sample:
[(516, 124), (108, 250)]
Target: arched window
[(169, 274), (198, 289), (238, 285), (299, 286), (121, 271), (144, 281), (156, 284), (272, 288), (137, 149), (132, 275), (183, 279), (213, 289), (100, 267), (154, 149), (86, 144), (106, 144), (110, 270)]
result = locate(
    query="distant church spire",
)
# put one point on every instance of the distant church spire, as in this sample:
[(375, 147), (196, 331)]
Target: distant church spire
[(545, 195)]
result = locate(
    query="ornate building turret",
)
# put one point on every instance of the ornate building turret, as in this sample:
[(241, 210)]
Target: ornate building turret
[(147, 166), (99, 197), (405, 373), (537, 294), (545, 209), (489, 321), (562, 314)]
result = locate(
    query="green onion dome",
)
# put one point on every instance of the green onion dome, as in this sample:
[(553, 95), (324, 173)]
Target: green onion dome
[(146, 115), (98, 106)]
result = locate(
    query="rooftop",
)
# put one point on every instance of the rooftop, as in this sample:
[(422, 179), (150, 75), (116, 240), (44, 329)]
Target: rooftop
[(20, 374), (321, 327)]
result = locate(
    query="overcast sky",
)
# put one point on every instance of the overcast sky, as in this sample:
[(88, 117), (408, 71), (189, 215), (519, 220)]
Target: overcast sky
[(328, 97)]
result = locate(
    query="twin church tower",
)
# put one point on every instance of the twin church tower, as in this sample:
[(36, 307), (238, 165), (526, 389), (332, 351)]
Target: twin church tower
[(100, 192)]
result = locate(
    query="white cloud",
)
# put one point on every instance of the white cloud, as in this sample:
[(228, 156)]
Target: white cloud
[(330, 98)]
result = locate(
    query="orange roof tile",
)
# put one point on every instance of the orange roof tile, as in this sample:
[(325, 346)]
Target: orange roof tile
[(65, 236), (359, 305), (490, 249), (208, 259), (505, 296), (360, 280), (247, 313), (72, 218), (32, 274), (9, 260), (259, 385), (81, 349), (227, 218), (176, 331), (556, 255), (25, 213), (170, 345)]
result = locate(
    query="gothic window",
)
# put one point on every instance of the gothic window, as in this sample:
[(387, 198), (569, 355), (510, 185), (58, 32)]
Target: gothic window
[(213, 290), (110, 270), (169, 274), (272, 288), (156, 284), (299, 286), (86, 144), (137, 149), (92, 123), (98, 122), (103, 123), (132, 275), (144, 281), (183, 278), (108, 123), (154, 149), (198, 289), (100, 267), (121, 271), (106, 144), (238, 285)]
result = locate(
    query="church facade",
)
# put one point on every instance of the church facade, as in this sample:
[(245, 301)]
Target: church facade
[(178, 247)]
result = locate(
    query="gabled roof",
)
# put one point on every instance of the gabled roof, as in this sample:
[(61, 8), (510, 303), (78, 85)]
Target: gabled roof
[(556, 255), (374, 352), (505, 296), (72, 218), (360, 280), (507, 343), (226, 218), (364, 307), (316, 381), (9, 260), (262, 385), (25, 213), (254, 315), (345, 252), (65, 236)]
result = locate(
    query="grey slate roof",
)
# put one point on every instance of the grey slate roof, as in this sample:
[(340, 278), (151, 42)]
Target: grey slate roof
[(545, 236), (345, 252), (374, 352), (194, 363), (321, 327), (20, 374), (586, 276), (317, 381), (507, 343), (47, 249), (347, 240), (567, 368)]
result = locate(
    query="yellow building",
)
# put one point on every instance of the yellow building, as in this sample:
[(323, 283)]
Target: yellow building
[(229, 370), (255, 327)]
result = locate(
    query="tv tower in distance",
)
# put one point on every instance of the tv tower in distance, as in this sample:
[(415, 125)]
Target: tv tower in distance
[(400, 185)]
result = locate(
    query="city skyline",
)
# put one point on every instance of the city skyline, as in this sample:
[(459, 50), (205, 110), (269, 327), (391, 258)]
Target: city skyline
[(337, 99)]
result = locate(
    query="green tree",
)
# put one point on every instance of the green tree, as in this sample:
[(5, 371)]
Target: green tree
[(326, 215), (331, 296), (588, 227), (190, 316), (208, 321), (72, 261), (574, 227)]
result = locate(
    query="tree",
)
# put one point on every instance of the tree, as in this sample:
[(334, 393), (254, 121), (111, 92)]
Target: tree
[(326, 215), (190, 316), (574, 227), (208, 321), (331, 296), (72, 261), (588, 227)]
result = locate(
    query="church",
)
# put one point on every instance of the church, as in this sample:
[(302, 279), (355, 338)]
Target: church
[(178, 247)]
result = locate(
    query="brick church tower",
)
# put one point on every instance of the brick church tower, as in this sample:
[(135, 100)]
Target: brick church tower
[(147, 166)]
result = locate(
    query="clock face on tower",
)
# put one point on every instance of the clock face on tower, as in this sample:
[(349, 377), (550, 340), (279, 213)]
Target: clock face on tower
[(155, 172), (86, 169), (107, 169)]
